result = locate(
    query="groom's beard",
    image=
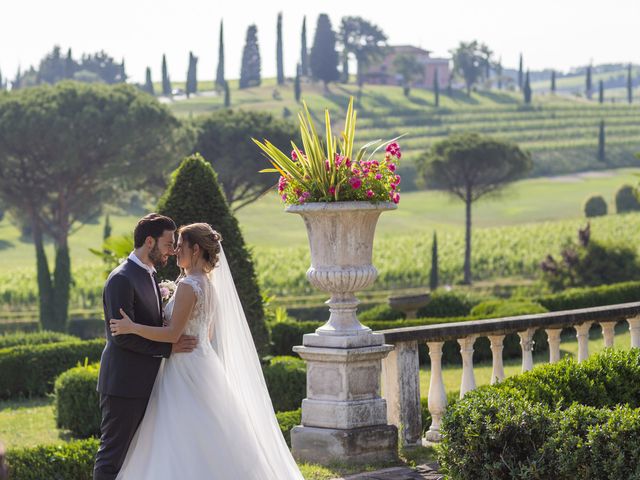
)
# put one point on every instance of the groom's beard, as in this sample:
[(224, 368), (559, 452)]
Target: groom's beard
[(158, 259)]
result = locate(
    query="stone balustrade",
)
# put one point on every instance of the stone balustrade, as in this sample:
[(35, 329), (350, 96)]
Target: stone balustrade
[(401, 371)]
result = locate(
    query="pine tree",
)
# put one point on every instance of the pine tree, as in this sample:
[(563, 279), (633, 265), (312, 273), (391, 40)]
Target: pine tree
[(166, 83), (220, 71), (588, 84), (324, 57), (194, 195), (553, 81), (304, 52), (106, 233), (601, 143), (148, 84), (227, 95), (279, 58), (250, 70), (601, 92), (297, 91), (520, 74), (629, 85), (433, 275), (436, 89), (527, 89), (192, 75)]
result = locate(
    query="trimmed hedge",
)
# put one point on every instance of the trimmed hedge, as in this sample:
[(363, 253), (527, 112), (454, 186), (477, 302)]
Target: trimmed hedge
[(561, 421), (77, 401), (33, 338), (595, 206), (30, 370), (70, 461), (591, 296), (286, 379), (13, 326), (288, 420)]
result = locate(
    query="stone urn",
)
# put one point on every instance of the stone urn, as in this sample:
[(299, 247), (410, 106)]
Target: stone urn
[(344, 418), (409, 304)]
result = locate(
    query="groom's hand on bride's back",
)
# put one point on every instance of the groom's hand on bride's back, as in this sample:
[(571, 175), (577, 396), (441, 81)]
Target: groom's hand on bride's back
[(185, 344)]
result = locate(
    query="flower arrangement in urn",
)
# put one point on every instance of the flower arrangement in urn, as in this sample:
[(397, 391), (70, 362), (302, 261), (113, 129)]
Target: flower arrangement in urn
[(325, 170)]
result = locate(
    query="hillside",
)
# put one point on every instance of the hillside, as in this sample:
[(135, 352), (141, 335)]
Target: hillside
[(560, 131)]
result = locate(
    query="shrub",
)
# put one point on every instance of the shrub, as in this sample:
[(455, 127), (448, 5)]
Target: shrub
[(626, 200), (33, 338), (30, 370), (194, 195), (15, 326), (286, 335), (70, 461), (450, 304), (86, 328), (288, 420), (286, 379), (380, 312), (506, 308), (585, 297), (595, 206), (77, 403)]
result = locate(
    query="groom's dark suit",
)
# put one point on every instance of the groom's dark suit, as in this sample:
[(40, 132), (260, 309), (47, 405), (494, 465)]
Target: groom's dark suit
[(129, 364)]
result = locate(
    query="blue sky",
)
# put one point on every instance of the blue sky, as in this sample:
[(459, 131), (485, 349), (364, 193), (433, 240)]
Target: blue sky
[(551, 33)]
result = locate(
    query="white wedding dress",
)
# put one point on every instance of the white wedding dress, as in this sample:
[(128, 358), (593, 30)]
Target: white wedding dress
[(209, 415)]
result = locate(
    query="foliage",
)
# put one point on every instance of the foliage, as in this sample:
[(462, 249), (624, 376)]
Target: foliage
[(410, 69), (433, 273), (470, 61), (222, 139), (100, 66), (304, 51), (585, 297), (626, 200), (30, 370), (77, 401), (166, 81), (326, 169), (526, 90), (33, 338), (286, 379), (595, 206), (380, 312), (279, 55), (194, 195), (192, 75), (364, 40), (323, 59), (469, 167), (288, 420), (506, 308), (250, 69)]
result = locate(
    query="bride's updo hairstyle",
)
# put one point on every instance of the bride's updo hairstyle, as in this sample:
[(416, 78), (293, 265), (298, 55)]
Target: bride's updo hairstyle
[(206, 238)]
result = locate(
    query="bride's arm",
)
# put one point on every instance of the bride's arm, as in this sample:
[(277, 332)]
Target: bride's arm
[(184, 302)]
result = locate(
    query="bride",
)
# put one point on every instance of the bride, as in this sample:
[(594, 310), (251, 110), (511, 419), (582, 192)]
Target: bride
[(209, 415)]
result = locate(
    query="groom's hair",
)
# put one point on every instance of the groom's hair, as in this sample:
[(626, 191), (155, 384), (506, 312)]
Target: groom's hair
[(152, 225)]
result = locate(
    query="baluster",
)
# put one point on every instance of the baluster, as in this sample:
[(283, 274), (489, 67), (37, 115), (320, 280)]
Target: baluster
[(634, 329), (582, 334), (437, 394), (526, 343), (401, 384), (553, 337), (608, 332), (497, 342), (466, 351)]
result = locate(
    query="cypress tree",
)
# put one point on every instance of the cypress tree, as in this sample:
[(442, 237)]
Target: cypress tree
[(588, 84), (2, 87), (304, 52), (527, 89), (601, 91), (106, 232), (553, 81), (250, 70), (166, 83), (148, 84), (520, 74), (601, 143), (433, 275), (194, 195), (629, 85), (324, 57), (297, 91), (279, 58), (499, 71), (220, 71), (192, 75), (436, 89), (227, 95), (69, 65)]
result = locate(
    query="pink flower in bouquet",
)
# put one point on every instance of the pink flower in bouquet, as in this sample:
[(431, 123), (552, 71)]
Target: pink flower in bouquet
[(284, 197), (378, 176), (347, 163), (282, 183), (370, 193), (327, 166), (392, 167), (339, 160), (332, 190), (304, 197), (395, 197), (355, 182), (393, 149), (397, 179), (294, 156)]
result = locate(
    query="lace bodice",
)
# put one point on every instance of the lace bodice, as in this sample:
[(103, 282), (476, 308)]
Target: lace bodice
[(199, 321)]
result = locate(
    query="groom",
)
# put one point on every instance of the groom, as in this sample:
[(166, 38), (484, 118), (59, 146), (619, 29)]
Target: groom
[(129, 363)]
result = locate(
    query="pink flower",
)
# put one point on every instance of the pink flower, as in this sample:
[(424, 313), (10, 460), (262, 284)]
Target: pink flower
[(332, 190), (397, 179), (304, 197), (378, 176), (355, 182), (395, 197), (369, 193), (393, 149), (347, 163), (339, 159), (393, 186), (294, 156), (164, 292), (326, 165), (282, 183), (355, 171), (284, 197), (392, 167)]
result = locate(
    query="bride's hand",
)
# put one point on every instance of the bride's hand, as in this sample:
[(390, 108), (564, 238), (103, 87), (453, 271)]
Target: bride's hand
[(121, 326)]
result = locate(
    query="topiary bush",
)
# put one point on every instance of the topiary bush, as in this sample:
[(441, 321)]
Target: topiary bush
[(34, 338), (288, 420), (595, 206), (286, 379), (561, 421), (450, 304), (194, 195), (626, 200), (77, 402), (506, 308), (380, 312), (31, 370), (585, 297)]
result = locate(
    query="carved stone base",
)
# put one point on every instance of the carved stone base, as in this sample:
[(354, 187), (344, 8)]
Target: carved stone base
[(358, 445)]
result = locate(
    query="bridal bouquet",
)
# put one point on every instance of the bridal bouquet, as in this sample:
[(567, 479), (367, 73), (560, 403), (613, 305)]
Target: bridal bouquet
[(167, 289), (325, 170)]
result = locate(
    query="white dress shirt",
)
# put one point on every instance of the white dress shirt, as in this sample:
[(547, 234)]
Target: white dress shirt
[(151, 270)]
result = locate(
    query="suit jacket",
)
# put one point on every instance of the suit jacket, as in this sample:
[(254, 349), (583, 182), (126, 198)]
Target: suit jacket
[(129, 363)]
